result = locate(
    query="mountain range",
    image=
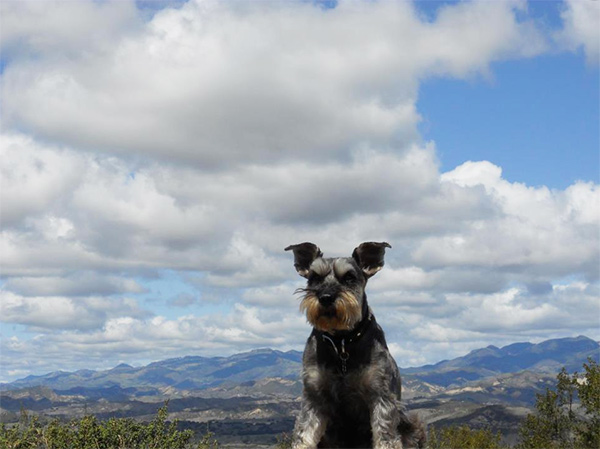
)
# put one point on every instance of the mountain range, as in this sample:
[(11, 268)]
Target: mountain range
[(546, 357), (184, 373), (201, 373)]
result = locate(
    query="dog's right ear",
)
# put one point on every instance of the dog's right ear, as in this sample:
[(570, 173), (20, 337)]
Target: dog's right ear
[(304, 254)]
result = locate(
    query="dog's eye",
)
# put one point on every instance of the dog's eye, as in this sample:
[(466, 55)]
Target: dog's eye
[(349, 278)]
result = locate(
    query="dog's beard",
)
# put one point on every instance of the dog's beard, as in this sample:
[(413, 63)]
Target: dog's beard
[(343, 315)]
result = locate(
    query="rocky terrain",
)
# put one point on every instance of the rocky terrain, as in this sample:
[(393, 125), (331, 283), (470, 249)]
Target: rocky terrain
[(252, 398)]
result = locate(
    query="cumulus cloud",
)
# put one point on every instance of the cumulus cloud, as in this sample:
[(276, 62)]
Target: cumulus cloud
[(295, 82), (112, 217), (513, 311), (398, 282), (73, 284), (59, 28), (519, 239), (460, 239), (55, 312), (33, 177), (121, 338), (277, 296), (452, 324)]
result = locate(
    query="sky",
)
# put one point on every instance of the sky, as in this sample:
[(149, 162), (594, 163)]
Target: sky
[(157, 157)]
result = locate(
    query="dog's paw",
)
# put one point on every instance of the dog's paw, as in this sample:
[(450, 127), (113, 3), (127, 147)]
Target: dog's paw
[(302, 445), (305, 441), (392, 444)]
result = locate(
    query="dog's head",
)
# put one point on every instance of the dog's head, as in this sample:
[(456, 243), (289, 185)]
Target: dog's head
[(334, 292)]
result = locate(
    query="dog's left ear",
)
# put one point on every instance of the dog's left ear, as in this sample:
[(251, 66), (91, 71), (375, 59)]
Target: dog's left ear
[(304, 254), (369, 256)]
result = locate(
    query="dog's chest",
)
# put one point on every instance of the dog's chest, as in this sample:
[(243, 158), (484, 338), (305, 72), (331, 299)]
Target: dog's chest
[(353, 391), (349, 393), (347, 399)]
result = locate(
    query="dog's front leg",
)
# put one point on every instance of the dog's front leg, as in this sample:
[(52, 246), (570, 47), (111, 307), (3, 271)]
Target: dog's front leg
[(310, 428), (384, 424)]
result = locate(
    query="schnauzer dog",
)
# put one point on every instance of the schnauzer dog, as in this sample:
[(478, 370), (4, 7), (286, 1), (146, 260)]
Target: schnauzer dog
[(352, 386)]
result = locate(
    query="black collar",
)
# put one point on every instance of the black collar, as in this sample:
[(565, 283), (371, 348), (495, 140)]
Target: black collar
[(344, 345), (352, 335)]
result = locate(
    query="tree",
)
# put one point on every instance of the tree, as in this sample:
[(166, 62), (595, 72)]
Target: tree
[(589, 395), (555, 424)]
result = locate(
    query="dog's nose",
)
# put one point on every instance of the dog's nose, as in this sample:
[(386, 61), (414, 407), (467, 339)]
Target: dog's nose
[(326, 299)]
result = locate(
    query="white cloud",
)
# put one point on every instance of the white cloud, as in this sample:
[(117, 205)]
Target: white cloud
[(122, 338), (55, 312), (33, 177), (513, 311), (80, 283), (244, 264), (402, 281), (63, 28), (112, 216), (294, 82), (502, 311), (439, 333), (115, 218), (582, 27), (278, 296), (523, 238)]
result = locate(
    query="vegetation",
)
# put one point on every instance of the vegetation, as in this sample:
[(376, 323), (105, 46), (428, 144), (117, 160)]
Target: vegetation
[(556, 422), (462, 437), (284, 441), (90, 433), (567, 417)]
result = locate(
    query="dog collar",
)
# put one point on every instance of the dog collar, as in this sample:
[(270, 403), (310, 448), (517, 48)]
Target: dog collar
[(353, 337), (342, 354)]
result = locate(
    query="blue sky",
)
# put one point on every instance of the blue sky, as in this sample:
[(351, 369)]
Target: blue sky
[(466, 134), (512, 113), (514, 122)]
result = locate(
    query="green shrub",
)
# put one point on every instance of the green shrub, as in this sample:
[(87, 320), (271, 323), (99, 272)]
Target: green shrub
[(462, 437), (90, 433), (284, 441)]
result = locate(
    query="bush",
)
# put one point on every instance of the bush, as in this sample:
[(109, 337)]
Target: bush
[(90, 433), (284, 441), (462, 437)]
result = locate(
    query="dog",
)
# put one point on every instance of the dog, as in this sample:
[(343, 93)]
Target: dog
[(351, 383)]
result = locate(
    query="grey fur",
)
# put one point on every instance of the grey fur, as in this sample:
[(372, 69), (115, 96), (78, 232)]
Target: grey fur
[(352, 386)]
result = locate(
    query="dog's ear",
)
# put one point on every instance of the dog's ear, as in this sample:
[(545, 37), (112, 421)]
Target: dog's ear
[(369, 256), (304, 254)]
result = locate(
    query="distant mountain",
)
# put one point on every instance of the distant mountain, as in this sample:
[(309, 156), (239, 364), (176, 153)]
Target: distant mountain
[(546, 357), (185, 373), (194, 373)]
